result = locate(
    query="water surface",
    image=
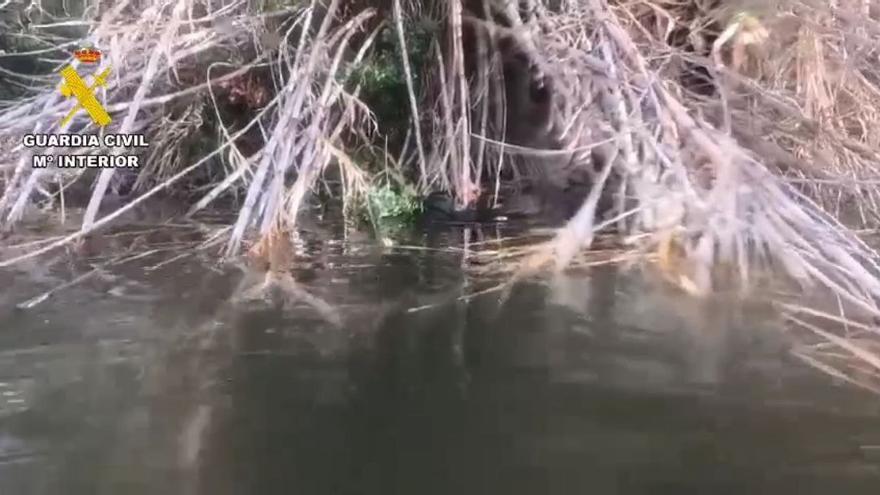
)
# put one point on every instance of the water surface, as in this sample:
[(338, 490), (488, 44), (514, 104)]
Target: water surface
[(601, 382)]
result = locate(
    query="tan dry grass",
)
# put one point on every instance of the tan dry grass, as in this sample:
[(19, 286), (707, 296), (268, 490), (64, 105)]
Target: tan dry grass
[(694, 193)]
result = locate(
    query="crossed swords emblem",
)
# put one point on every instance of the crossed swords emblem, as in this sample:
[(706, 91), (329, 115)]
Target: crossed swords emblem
[(75, 86)]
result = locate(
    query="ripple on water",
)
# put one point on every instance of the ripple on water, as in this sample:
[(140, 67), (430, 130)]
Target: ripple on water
[(583, 384)]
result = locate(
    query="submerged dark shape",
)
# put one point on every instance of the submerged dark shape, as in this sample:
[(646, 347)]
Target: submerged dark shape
[(540, 203), (440, 207)]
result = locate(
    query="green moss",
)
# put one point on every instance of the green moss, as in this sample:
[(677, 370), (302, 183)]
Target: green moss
[(390, 207), (389, 202)]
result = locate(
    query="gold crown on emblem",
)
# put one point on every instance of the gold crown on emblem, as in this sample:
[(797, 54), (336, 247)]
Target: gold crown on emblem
[(87, 55)]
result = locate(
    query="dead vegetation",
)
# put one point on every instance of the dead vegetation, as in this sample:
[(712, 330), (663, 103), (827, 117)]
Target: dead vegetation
[(763, 171)]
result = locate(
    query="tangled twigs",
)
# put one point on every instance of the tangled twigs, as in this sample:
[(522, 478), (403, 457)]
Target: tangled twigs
[(696, 187)]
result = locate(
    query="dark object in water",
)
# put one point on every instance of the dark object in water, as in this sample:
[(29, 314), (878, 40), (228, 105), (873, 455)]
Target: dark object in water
[(552, 206), (546, 204), (440, 207)]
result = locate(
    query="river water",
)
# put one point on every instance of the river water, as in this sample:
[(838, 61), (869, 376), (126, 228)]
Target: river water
[(144, 380)]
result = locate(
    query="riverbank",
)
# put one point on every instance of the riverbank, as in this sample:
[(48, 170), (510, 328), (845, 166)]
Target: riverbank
[(722, 147)]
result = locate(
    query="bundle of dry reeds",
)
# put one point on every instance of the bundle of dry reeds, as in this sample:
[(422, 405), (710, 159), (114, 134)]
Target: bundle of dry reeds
[(693, 193), (173, 57)]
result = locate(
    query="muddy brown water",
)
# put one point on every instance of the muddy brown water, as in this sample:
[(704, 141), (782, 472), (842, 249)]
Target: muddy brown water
[(142, 382)]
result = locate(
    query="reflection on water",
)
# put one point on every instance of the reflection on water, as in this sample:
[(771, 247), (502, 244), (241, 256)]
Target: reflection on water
[(600, 382)]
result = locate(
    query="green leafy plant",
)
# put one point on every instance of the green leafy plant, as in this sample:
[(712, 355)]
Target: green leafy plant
[(383, 81), (387, 202)]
